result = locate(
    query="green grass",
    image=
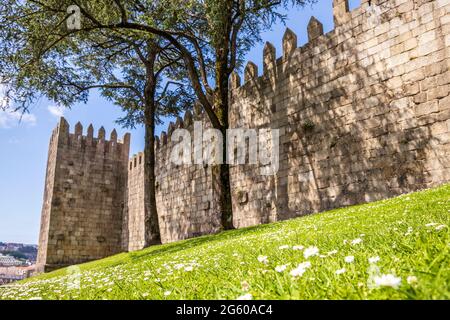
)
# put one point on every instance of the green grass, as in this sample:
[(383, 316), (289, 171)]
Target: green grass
[(409, 234)]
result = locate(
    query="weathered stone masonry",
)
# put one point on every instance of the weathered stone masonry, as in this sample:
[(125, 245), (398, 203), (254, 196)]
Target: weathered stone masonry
[(363, 113), (84, 197)]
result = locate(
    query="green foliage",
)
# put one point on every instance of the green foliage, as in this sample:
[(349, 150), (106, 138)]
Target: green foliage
[(39, 56), (409, 235)]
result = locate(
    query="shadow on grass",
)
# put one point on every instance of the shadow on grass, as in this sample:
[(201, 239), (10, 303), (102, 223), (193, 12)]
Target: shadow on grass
[(424, 200)]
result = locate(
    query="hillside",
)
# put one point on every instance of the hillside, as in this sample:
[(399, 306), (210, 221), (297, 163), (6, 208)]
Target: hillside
[(391, 249)]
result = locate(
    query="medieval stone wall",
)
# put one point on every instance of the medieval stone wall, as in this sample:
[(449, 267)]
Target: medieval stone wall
[(48, 197), (84, 199), (363, 111), (187, 196), (134, 225), (363, 114)]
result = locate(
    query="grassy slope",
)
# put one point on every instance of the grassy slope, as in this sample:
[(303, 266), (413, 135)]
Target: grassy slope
[(395, 230)]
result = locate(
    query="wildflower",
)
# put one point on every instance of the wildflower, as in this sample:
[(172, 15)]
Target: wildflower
[(409, 231), (301, 268), (245, 285), (440, 227), (246, 296), (263, 259), (145, 295), (333, 252), (349, 259), (188, 269), (167, 293), (284, 247), (297, 272), (298, 248), (281, 268), (310, 252), (431, 224), (374, 259), (411, 279), (387, 280), (356, 241), (341, 271)]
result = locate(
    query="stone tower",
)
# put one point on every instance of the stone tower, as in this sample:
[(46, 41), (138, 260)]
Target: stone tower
[(84, 197)]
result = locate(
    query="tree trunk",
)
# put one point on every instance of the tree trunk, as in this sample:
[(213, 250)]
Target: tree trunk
[(221, 109), (152, 233)]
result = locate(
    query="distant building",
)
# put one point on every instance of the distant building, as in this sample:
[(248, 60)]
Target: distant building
[(12, 274), (9, 261)]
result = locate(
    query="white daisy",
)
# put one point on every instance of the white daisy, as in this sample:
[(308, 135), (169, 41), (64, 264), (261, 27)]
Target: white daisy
[(349, 259), (245, 285), (387, 280), (246, 296), (263, 259), (300, 270), (281, 268), (310, 252), (297, 272), (284, 247), (167, 293), (305, 265), (298, 248), (333, 252), (341, 271), (374, 259), (411, 279), (440, 227), (356, 241)]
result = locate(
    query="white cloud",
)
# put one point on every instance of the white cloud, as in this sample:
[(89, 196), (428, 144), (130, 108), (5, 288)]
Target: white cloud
[(9, 119), (56, 111)]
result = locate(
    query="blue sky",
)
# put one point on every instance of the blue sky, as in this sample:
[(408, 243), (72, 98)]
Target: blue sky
[(24, 144)]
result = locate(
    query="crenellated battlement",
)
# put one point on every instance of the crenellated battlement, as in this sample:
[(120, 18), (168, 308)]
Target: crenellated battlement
[(116, 148), (309, 53), (136, 162), (85, 196), (363, 113), (187, 122)]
